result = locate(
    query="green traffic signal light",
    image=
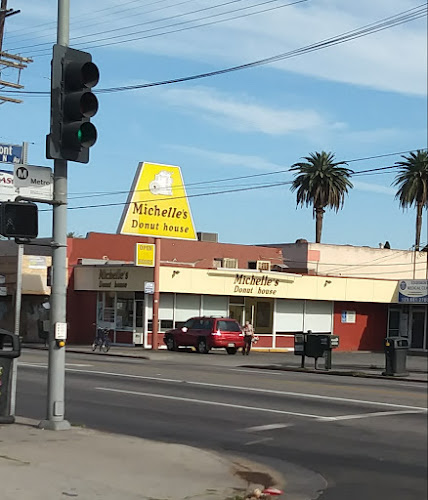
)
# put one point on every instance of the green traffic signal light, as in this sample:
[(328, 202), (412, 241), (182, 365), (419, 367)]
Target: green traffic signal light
[(87, 135), (72, 105)]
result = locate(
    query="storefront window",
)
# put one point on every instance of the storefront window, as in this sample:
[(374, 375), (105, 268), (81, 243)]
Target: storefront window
[(125, 310), (139, 313), (108, 315), (394, 323), (263, 314)]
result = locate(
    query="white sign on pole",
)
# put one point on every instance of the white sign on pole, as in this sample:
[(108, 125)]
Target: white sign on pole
[(3, 291), (33, 182), (60, 331), (149, 287)]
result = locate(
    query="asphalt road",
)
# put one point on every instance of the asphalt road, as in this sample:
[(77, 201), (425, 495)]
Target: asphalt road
[(335, 438)]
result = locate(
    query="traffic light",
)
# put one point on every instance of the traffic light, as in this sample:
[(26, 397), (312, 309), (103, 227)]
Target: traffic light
[(72, 105), (19, 220)]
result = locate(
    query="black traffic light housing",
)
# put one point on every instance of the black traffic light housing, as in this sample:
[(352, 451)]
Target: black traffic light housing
[(72, 105), (19, 220)]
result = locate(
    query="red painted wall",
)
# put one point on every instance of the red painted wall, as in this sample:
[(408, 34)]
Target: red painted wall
[(284, 341), (369, 329), (81, 314)]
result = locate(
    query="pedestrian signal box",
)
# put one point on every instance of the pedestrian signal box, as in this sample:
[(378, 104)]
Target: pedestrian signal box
[(19, 220)]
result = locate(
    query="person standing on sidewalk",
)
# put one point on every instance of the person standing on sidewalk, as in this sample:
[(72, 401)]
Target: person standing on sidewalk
[(248, 338)]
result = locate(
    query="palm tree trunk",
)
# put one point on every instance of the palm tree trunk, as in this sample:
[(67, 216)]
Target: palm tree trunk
[(319, 214), (419, 207)]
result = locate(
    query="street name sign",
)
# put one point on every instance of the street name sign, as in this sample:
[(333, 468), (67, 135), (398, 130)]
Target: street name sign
[(157, 204), (11, 153)]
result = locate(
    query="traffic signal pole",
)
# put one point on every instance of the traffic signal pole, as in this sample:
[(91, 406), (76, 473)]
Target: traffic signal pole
[(56, 368)]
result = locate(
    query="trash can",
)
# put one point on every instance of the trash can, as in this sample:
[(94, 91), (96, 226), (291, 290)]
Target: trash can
[(395, 356), (10, 348)]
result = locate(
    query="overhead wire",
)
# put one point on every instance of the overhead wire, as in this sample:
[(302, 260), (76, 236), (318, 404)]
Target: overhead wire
[(243, 177), (264, 174), (210, 193), (95, 44), (119, 6), (386, 23), (380, 26), (152, 21)]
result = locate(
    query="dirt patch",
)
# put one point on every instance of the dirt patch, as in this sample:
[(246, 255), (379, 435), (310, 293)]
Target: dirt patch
[(255, 477)]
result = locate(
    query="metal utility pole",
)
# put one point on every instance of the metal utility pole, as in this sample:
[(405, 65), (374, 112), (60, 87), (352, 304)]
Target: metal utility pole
[(4, 12), (155, 320), (56, 369), (3, 9), (17, 326)]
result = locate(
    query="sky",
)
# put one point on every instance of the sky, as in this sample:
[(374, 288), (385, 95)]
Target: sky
[(362, 98)]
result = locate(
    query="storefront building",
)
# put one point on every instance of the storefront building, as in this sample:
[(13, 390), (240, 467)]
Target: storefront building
[(278, 304), (105, 288), (409, 317)]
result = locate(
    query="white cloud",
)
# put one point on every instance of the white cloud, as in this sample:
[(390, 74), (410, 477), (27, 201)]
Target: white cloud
[(237, 160), (373, 188), (243, 115)]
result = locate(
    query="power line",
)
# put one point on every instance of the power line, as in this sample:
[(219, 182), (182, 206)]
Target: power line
[(386, 23), (264, 174), (111, 9), (90, 35), (41, 52), (197, 195)]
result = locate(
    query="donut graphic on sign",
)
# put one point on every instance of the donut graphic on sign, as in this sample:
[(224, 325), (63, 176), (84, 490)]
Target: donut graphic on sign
[(162, 184)]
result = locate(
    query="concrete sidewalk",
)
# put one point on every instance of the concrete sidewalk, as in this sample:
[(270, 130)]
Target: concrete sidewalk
[(353, 364), (86, 464)]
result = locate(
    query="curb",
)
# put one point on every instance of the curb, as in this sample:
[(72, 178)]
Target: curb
[(335, 372), (91, 353), (115, 354)]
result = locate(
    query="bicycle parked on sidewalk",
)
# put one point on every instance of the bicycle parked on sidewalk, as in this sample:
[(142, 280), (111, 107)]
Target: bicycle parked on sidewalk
[(102, 340)]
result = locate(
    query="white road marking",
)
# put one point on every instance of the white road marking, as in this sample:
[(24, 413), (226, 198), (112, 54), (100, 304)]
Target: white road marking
[(211, 403), (44, 365), (370, 415), (257, 441), (77, 365), (257, 371), (239, 388), (267, 427)]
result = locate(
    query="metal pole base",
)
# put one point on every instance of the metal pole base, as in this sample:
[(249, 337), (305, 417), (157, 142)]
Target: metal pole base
[(7, 420), (55, 425)]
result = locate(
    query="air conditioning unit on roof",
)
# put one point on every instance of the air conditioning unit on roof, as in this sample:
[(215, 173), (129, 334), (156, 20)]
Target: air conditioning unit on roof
[(263, 265), (230, 263)]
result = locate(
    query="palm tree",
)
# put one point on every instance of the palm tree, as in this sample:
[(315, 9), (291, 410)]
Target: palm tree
[(412, 182), (322, 183)]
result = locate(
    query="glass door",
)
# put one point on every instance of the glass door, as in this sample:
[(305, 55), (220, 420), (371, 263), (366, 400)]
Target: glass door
[(260, 313), (139, 322), (418, 327)]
